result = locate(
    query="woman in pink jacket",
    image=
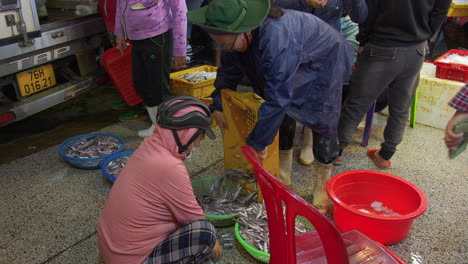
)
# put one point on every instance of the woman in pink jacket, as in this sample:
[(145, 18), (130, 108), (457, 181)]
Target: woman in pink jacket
[(151, 214)]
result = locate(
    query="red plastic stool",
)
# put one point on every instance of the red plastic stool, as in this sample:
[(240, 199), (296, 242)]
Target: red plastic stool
[(325, 244)]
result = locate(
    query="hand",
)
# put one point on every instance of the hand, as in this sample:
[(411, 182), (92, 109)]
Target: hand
[(317, 3), (262, 154), (180, 61), (216, 252), (120, 41), (360, 49), (220, 120), (451, 139)]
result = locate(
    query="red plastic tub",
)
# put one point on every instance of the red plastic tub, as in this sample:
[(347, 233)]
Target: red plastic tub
[(452, 71), (119, 68), (353, 192)]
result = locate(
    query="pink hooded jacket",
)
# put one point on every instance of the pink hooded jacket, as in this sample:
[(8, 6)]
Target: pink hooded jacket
[(151, 198)]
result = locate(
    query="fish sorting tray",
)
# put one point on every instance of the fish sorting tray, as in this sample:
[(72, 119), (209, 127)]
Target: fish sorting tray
[(196, 89), (82, 141), (202, 188), (116, 157)]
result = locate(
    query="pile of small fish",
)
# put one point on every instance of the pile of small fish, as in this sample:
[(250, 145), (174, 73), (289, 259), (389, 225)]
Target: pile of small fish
[(114, 167), (455, 58), (93, 147), (225, 197), (380, 209), (198, 76), (254, 227)]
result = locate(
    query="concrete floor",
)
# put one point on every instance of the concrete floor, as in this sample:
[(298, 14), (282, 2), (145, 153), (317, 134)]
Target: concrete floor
[(49, 210)]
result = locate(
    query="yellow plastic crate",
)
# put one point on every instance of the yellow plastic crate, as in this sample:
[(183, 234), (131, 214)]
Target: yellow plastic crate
[(241, 112), (458, 9), (198, 89), (208, 101)]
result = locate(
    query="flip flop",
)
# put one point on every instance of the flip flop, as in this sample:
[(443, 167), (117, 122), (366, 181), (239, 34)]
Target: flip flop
[(120, 106), (339, 161), (372, 155), (128, 117)]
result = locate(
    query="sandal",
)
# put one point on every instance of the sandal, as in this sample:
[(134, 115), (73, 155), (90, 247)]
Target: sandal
[(372, 153), (339, 160)]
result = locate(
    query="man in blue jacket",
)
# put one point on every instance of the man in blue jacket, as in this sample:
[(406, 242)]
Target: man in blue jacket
[(296, 62)]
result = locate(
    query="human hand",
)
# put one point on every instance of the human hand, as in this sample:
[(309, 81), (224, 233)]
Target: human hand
[(216, 252), (262, 154), (317, 3), (451, 139), (360, 49), (180, 61), (220, 120), (120, 41)]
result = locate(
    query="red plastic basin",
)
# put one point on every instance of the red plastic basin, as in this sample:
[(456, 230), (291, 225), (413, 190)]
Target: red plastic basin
[(356, 190)]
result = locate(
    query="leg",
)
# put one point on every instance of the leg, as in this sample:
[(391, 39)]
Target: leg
[(401, 94), (325, 152), (189, 244), (374, 72), (286, 142)]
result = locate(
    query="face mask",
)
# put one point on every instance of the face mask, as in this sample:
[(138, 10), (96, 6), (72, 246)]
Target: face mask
[(187, 156)]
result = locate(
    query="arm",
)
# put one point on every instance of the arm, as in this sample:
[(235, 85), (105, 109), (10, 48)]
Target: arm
[(229, 75), (366, 27), (438, 14), (118, 18), (179, 26), (280, 57), (357, 10), (460, 103)]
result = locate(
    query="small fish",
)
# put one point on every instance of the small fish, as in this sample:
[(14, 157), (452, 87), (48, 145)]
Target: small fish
[(114, 167), (199, 76), (93, 147)]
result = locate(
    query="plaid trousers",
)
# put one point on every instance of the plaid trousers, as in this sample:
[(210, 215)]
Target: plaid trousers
[(189, 244)]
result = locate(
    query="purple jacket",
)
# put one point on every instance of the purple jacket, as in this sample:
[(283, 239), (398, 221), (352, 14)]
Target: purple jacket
[(141, 19)]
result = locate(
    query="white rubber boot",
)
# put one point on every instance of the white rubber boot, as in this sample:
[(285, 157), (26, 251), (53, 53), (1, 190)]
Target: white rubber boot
[(306, 157), (285, 166), (320, 196), (152, 115)]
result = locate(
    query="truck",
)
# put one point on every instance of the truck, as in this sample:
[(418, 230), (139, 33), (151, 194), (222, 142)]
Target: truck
[(46, 59)]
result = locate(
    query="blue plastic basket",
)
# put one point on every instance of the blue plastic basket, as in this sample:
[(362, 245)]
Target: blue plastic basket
[(86, 163), (113, 157)]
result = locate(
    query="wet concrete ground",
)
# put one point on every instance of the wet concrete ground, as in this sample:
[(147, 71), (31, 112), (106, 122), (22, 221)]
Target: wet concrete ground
[(50, 210)]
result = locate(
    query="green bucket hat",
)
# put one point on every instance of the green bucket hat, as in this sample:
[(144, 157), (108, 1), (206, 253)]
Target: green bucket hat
[(230, 16)]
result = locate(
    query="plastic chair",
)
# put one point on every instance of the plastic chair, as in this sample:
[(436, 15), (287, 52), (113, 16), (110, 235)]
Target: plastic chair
[(325, 244)]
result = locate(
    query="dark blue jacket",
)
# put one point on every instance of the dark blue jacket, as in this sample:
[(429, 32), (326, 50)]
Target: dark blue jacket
[(331, 13), (298, 64)]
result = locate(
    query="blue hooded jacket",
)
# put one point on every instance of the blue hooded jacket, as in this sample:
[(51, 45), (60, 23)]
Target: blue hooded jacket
[(331, 13), (298, 64)]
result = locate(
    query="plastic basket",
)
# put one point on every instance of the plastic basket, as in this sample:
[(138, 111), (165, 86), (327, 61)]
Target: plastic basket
[(111, 158), (201, 187), (452, 71), (241, 112), (119, 68), (257, 254), (86, 163), (458, 9), (198, 89)]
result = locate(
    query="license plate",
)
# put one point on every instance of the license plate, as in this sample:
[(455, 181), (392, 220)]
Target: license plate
[(36, 80)]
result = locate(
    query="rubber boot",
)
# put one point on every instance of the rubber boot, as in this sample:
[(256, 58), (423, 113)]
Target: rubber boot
[(306, 157), (285, 166), (320, 196), (152, 115)]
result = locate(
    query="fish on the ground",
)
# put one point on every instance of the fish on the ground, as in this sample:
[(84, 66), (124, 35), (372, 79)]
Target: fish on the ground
[(114, 167), (198, 76), (93, 147), (254, 226)]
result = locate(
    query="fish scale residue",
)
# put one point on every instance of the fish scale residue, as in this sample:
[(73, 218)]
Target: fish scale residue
[(93, 147)]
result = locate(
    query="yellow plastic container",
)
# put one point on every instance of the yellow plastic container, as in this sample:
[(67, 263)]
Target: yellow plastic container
[(241, 112), (199, 89), (458, 10)]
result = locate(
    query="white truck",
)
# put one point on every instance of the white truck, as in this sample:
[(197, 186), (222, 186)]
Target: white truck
[(45, 61)]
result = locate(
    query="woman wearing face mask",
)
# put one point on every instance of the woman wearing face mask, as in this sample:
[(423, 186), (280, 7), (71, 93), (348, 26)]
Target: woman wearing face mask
[(296, 62), (151, 214)]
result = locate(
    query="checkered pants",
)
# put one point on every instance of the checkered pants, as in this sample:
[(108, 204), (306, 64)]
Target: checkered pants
[(189, 244)]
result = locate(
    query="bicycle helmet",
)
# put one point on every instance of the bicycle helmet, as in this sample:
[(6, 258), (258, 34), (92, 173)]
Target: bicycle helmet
[(196, 119)]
